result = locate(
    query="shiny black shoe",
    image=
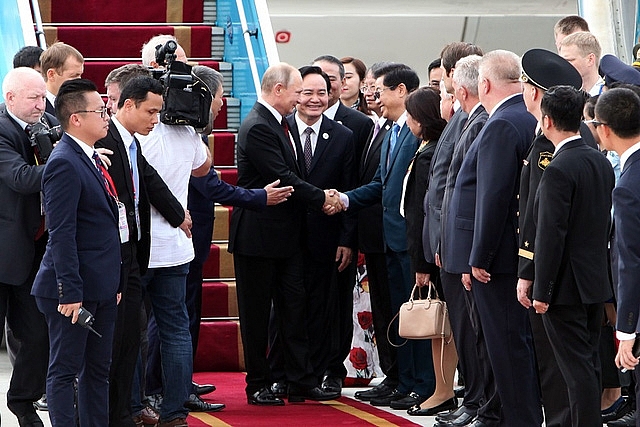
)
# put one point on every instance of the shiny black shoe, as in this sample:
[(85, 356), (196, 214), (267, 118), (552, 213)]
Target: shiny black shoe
[(447, 405), (264, 397), (201, 389), (452, 415), (616, 411), (379, 391), (627, 420), (315, 393), (410, 400), (464, 419), (195, 404), (279, 389), (41, 404), (332, 384), (386, 401)]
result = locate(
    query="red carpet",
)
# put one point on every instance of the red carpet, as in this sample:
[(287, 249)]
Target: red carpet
[(230, 391)]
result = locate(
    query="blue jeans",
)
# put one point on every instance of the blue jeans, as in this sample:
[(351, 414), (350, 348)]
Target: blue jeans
[(166, 288)]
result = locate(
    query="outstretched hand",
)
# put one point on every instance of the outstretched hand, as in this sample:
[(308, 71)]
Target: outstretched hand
[(277, 195)]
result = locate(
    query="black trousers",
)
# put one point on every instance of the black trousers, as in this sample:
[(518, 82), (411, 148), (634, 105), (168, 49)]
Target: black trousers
[(480, 392), (260, 281), (126, 339), (382, 314), (29, 328)]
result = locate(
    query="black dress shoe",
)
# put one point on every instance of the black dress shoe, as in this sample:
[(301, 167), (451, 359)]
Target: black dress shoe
[(332, 384), (478, 423), (465, 419), (279, 389), (41, 404), (315, 393), (195, 404), (616, 411), (627, 420), (410, 400), (201, 389), (452, 415), (379, 391), (386, 400), (264, 397), (447, 405)]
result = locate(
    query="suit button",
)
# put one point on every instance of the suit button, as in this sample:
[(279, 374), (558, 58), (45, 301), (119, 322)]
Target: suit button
[(518, 197), (131, 213), (384, 187), (384, 209), (518, 213)]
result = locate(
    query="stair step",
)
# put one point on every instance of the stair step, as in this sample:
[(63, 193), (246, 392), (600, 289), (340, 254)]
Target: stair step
[(229, 118), (228, 175), (127, 41), (219, 347), (219, 264), (122, 11), (219, 299), (221, 223), (222, 146)]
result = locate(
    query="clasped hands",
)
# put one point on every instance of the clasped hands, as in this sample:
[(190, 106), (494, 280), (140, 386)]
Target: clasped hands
[(332, 202)]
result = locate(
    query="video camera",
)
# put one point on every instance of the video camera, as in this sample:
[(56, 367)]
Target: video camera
[(187, 99), (42, 138)]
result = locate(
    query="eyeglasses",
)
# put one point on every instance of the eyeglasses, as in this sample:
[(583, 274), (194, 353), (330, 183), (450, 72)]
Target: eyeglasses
[(366, 89), (595, 123), (102, 111), (377, 93)]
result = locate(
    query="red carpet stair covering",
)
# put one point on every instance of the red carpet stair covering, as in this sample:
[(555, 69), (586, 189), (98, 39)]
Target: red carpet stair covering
[(111, 34)]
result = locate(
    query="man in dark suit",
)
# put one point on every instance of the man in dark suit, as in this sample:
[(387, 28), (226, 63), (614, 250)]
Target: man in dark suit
[(571, 278), (361, 126), (618, 125), (393, 84), (541, 69), (81, 266), (139, 186), (23, 239), (371, 244), (59, 63), (473, 360), (482, 226), (266, 245), (327, 161)]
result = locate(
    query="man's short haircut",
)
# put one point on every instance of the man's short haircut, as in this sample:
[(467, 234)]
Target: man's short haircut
[(15, 80), (500, 66), (564, 105), (585, 42), (590, 106), (137, 90), (210, 77), (56, 55), (634, 88), (436, 63), (455, 51), (465, 73), (332, 60), (570, 24), (377, 66), (28, 56), (123, 74), (424, 106), (149, 48), (619, 108), (282, 73), (312, 69), (394, 74), (71, 99)]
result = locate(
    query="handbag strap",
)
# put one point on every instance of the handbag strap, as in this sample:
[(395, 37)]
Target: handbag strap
[(389, 332)]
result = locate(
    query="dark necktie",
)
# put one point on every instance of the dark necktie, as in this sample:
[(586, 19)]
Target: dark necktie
[(27, 130), (285, 127), (308, 155)]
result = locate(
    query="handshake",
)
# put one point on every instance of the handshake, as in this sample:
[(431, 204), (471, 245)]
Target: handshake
[(332, 202)]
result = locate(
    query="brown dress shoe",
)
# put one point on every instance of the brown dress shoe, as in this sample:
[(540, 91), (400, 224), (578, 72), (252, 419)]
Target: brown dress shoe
[(148, 417), (176, 422)]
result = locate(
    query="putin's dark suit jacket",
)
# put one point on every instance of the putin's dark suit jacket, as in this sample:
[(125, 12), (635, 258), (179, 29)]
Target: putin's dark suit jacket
[(435, 192), (360, 125), (574, 195), (386, 186), (264, 155), (332, 166), (626, 214), (370, 219), (152, 191)]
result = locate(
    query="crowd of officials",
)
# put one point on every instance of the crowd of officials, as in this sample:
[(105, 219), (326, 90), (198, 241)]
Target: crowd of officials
[(508, 183)]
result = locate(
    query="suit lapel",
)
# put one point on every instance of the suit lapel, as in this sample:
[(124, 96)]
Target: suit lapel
[(375, 144), (401, 137), (295, 134), (88, 162)]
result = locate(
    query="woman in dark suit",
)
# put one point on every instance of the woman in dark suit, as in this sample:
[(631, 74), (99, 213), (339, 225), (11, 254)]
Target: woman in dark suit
[(425, 122)]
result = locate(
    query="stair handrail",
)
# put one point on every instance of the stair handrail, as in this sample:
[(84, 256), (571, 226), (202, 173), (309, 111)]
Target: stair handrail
[(247, 41), (39, 27)]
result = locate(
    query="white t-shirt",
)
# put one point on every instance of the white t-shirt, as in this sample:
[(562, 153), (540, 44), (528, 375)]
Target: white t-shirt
[(174, 151)]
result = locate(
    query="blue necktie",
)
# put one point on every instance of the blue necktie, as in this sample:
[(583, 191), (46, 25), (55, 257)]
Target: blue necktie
[(392, 141), (133, 158)]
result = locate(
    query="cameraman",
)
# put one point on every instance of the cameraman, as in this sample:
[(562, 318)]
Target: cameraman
[(22, 238), (177, 153)]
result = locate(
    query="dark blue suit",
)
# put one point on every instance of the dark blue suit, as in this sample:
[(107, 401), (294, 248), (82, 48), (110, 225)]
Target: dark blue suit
[(482, 231), (626, 217), (81, 264), (386, 186)]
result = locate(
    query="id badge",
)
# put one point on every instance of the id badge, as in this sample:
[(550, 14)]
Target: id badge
[(123, 225)]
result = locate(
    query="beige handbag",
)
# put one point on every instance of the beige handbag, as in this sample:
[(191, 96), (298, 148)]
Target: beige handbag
[(423, 318)]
